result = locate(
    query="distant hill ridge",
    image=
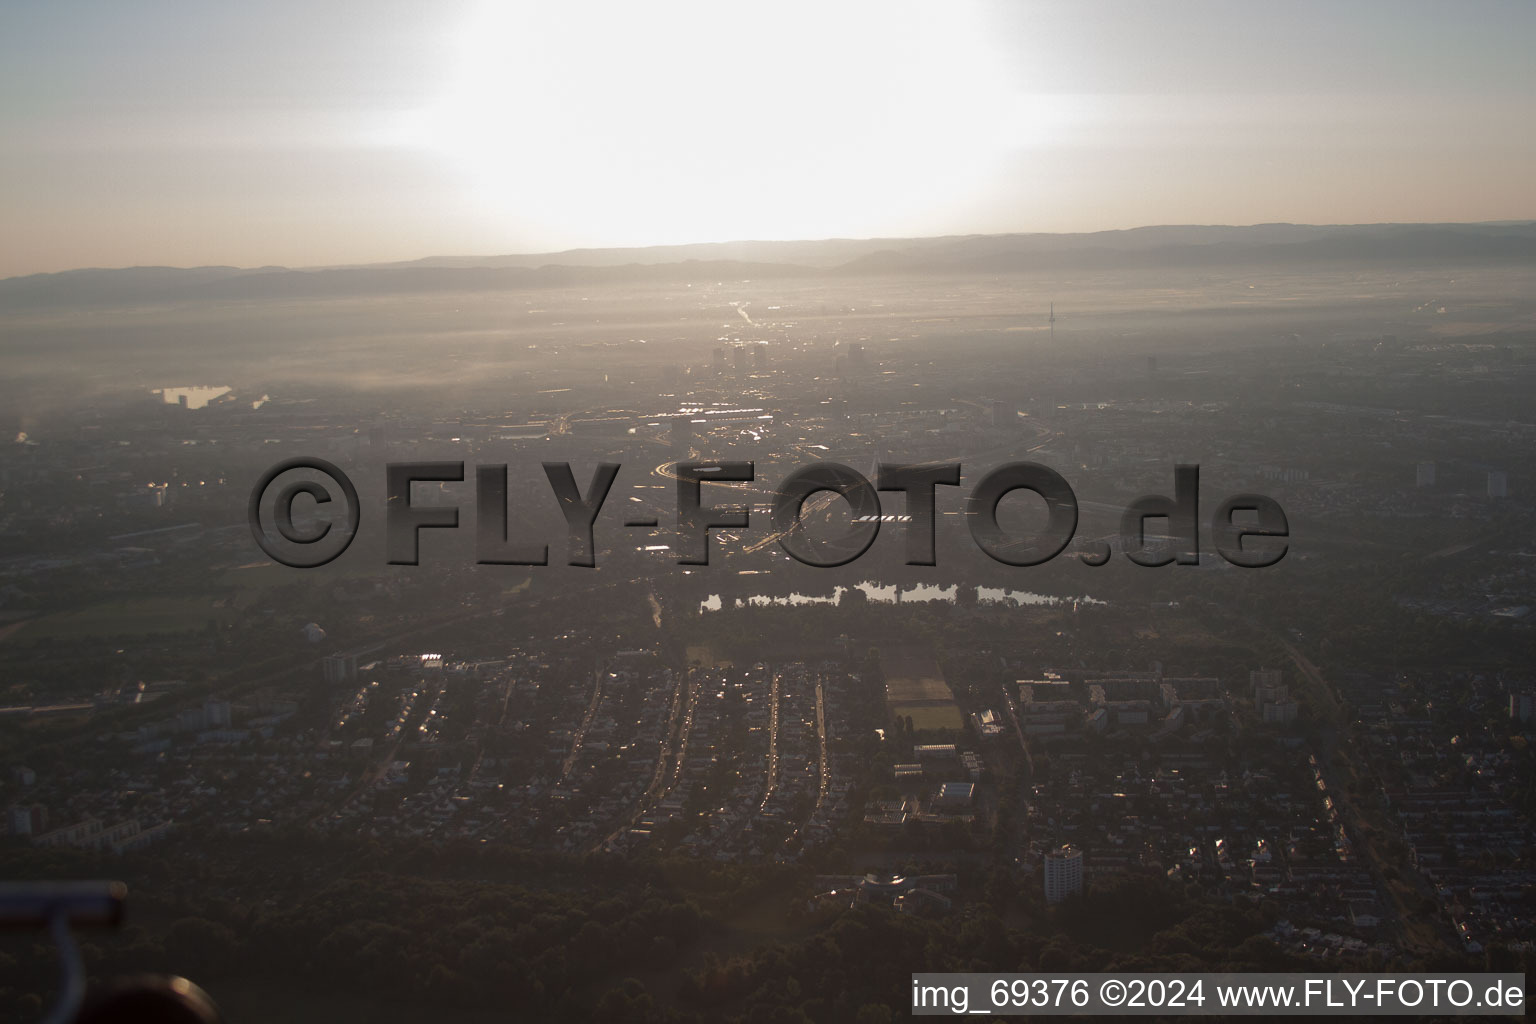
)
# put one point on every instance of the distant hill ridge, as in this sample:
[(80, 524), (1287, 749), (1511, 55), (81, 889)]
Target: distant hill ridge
[(1509, 243)]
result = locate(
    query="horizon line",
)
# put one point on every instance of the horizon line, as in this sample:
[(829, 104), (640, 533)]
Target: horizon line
[(579, 250)]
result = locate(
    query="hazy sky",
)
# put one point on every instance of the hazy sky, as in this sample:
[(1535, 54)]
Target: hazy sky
[(305, 133)]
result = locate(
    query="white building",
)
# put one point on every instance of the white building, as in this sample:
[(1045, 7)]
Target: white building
[(1063, 873)]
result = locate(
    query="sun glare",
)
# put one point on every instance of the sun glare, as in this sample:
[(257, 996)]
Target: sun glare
[(650, 123)]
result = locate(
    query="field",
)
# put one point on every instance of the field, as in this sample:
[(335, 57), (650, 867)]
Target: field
[(912, 675), (915, 688), (704, 655), (124, 618)]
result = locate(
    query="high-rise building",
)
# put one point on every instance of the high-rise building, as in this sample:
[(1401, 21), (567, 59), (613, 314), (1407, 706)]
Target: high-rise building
[(1280, 712), (1272, 698), (1063, 873), (339, 668), (1268, 686), (216, 714)]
